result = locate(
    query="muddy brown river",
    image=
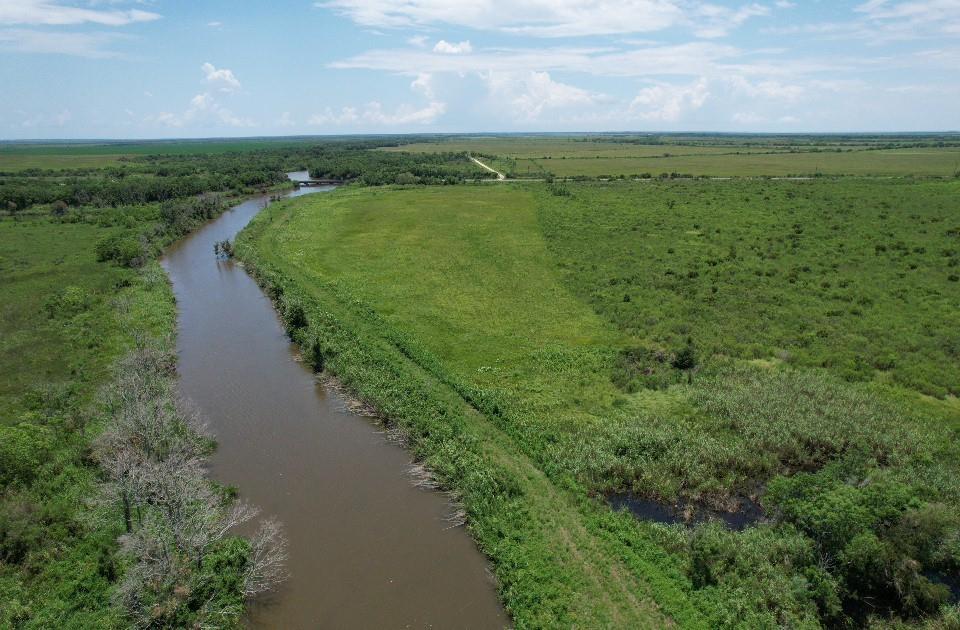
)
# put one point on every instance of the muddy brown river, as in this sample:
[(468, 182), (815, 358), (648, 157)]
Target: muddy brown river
[(367, 548)]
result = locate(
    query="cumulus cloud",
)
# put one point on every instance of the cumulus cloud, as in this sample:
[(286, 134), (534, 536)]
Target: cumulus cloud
[(203, 110), (423, 84), (447, 48), (528, 94), (668, 102), (225, 80)]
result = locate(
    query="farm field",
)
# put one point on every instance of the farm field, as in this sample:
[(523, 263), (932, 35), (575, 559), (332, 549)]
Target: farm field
[(21, 156), (569, 148), (600, 334), (733, 157), (936, 162)]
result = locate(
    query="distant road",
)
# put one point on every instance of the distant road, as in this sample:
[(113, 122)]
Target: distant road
[(500, 175)]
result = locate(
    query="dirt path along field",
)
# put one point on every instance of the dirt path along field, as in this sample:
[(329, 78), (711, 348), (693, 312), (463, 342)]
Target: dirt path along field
[(500, 176)]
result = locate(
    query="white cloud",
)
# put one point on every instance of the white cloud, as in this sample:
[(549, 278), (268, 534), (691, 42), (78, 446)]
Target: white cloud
[(748, 118), (285, 120), (447, 48), (549, 18), (203, 110), (345, 116), (528, 94), (373, 114), (423, 84), (92, 45), (215, 24), (882, 21), (766, 89), (715, 21), (913, 18), (223, 78), (418, 40), (692, 59), (668, 103), (42, 120), (52, 14)]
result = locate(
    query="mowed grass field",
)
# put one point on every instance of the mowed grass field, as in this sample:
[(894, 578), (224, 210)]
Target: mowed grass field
[(820, 322)]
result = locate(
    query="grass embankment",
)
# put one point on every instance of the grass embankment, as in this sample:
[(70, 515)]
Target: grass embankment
[(482, 320), (557, 555)]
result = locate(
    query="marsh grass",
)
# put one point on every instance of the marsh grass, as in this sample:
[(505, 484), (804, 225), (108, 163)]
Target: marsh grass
[(490, 324)]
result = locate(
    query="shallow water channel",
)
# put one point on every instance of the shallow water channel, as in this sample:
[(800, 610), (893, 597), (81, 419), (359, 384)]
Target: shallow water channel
[(367, 548)]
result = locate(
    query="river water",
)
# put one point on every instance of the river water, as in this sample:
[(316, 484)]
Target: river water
[(367, 548)]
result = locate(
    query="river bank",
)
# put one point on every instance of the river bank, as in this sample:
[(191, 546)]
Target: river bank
[(358, 530)]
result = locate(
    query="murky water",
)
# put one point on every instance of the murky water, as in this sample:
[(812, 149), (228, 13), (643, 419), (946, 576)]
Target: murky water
[(749, 514), (367, 549)]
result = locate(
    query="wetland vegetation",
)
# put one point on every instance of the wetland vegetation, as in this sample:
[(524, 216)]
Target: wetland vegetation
[(783, 349), (701, 343)]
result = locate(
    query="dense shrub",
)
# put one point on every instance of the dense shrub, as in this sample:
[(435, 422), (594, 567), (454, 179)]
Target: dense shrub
[(124, 249)]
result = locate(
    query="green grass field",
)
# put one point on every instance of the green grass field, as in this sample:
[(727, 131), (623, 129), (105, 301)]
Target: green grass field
[(14, 163), (557, 315), (938, 162), (569, 148), (57, 326), (728, 157), (19, 156)]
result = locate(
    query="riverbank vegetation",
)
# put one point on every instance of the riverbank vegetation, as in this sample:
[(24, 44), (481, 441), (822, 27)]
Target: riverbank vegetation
[(106, 516), (715, 347)]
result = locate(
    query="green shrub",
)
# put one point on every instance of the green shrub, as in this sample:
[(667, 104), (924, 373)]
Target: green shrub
[(68, 302), (123, 249), (23, 450)]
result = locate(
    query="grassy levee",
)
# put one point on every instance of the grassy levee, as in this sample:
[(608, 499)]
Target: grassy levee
[(529, 339), (561, 558)]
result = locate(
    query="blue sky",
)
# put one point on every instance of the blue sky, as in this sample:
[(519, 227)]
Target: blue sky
[(165, 68)]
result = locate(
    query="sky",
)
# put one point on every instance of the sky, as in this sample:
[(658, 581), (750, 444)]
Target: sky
[(205, 68)]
